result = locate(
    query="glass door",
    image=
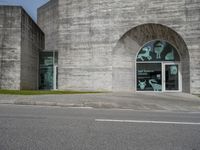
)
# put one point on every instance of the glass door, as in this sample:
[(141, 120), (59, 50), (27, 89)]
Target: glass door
[(171, 76), (48, 71)]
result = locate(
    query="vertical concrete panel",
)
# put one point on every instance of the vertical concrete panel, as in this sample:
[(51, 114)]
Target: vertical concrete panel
[(10, 47), (192, 37), (124, 55), (85, 54), (32, 41), (48, 22)]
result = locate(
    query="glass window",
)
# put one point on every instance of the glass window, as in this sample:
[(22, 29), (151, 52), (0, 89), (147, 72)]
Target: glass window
[(48, 60), (46, 77), (149, 77), (150, 60), (158, 51), (171, 77)]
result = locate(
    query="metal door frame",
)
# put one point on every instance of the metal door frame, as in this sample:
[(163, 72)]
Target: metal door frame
[(164, 64)]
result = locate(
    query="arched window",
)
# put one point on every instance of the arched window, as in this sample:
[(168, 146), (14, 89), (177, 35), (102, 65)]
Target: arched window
[(158, 67)]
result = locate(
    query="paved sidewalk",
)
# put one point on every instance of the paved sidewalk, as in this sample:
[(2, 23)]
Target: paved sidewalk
[(134, 101)]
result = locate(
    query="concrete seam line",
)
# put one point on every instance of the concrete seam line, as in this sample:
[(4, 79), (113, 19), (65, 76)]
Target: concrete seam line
[(147, 121)]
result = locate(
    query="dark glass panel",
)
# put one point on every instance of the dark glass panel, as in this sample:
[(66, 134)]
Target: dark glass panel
[(46, 77), (158, 51), (48, 60), (46, 70), (149, 77), (171, 77)]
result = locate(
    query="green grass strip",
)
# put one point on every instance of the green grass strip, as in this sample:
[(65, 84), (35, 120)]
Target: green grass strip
[(43, 92)]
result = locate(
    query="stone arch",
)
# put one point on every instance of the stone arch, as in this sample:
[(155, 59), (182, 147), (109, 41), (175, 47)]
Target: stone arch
[(127, 47)]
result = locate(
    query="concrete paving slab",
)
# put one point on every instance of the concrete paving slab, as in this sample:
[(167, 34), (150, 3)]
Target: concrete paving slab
[(120, 100)]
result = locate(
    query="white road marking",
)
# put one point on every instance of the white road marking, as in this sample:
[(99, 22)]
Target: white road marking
[(146, 121)]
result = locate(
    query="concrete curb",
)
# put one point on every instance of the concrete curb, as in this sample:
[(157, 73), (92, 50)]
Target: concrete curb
[(84, 104), (146, 102), (97, 105)]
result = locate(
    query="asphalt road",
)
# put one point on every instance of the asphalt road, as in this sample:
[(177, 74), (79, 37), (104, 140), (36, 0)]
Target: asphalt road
[(56, 128)]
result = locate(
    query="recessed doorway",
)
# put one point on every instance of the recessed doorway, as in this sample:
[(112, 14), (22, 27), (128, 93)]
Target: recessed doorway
[(158, 68), (48, 73)]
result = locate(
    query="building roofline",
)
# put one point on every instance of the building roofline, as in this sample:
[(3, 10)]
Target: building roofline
[(31, 19), (17, 6), (23, 10), (44, 5)]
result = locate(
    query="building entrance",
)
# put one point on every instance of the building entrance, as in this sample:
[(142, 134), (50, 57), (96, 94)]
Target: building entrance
[(48, 74), (158, 67)]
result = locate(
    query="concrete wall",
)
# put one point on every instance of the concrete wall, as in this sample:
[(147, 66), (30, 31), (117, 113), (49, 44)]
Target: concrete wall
[(89, 30), (191, 35), (10, 47), (32, 41), (20, 42), (85, 45), (48, 22)]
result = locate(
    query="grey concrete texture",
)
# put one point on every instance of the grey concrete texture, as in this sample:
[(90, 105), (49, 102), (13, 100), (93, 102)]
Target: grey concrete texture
[(133, 101), (48, 22), (89, 32), (32, 42), (20, 42), (10, 47)]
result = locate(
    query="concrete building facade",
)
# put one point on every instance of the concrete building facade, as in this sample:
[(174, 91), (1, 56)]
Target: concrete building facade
[(133, 46), (20, 42), (98, 43)]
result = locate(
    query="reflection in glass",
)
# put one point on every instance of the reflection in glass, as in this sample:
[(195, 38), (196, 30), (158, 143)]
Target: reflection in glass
[(158, 48), (145, 53), (149, 77), (46, 77), (158, 51), (149, 67), (171, 77), (47, 63)]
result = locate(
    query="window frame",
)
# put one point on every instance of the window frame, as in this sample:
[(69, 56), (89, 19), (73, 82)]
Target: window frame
[(163, 63)]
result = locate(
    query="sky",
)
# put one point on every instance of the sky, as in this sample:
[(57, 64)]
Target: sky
[(29, 5)]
